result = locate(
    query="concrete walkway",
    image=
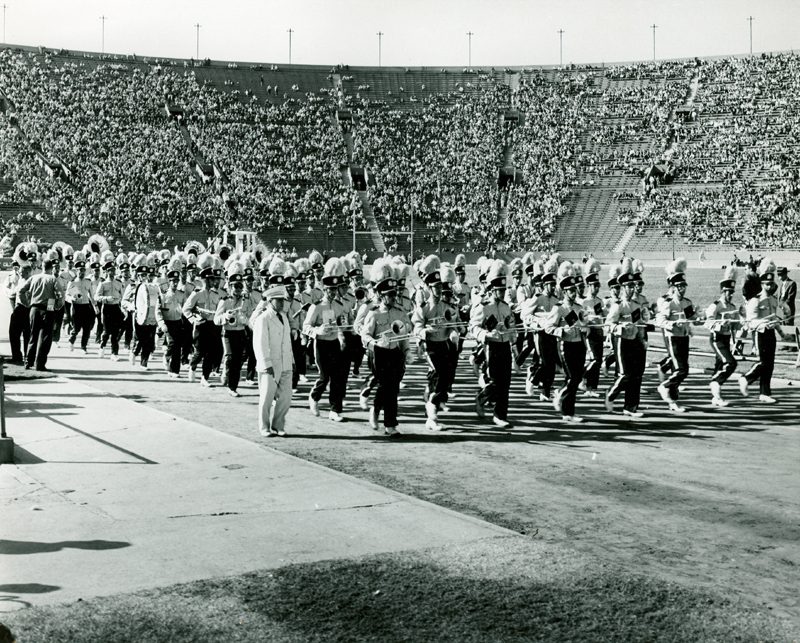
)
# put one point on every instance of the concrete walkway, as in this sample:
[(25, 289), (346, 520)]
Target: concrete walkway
[(109, 496)]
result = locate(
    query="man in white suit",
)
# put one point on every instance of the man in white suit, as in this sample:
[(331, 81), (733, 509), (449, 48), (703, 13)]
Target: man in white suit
[(273, 348)]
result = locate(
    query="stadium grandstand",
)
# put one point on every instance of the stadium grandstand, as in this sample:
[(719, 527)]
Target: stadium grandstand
[(604, 159)]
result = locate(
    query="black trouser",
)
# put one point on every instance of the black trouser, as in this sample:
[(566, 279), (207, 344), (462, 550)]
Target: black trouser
[(19, 328), (127, 324), (233, 346), (145, 340), (355, 348), (573, 355), (41, 321), (298, 350), (498, 378), (112, 326), (98, 333), (678, 349), (82, 322), (525, 346), (442, 358), (68, 316), (58, 321), (186, 341), (250, 355), (173, 342), (725, 363), (370, 381), (207, 347), (547, 348), (389, 370), (630, 368), (332, 370), (594, 341), (762, 371)]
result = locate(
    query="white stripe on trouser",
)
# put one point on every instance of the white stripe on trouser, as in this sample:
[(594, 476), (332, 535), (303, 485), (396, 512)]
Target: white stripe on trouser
[(618, 355), (278, 391), (672, 355)]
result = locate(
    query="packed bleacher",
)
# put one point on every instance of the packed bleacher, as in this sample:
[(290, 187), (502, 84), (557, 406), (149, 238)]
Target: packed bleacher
[(432, 141)]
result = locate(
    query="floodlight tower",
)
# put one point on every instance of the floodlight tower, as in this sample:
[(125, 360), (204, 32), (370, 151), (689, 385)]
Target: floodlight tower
[(654, 27), (290, 45), (103, 46), (469, 35), (197, 53), (750, 19), (5, 6), (560, 48)]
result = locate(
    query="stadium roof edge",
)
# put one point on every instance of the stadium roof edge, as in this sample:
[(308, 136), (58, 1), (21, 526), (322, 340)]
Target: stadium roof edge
[(122, 58)]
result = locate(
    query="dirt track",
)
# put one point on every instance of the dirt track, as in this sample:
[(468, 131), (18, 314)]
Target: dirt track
[(710, 498)]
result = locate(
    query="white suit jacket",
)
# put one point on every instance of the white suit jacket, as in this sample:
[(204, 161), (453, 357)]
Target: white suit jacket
[(272, 342)]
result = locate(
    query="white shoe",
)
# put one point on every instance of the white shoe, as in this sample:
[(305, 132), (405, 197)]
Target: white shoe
[(143, 367), (591, 393), (543, 398), (743, 385), (718, 401), (402, 385), (664, 392), (71, 347), (206, 383), (582, 387), (102, 353), (609, 404), (676, 408), (363, 402), (716, 389), (131, 357), (431, 410), (303, 379), (392, 432), (433, 425), (557, 400), (115, 358), (572, 418), (443, 408), (313, 405), (191, 375), (174, 375), (451, 396), (333, 415), (633, 414), (373, 418), (234, 394), (503, 424), (766, 399)]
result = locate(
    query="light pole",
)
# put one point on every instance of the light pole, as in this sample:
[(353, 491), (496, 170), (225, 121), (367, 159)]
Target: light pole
[(560, 48), (654, 27), (4, 25), (197, 53), (290, 46), (103, 49), (750, 19), (380, 34), (470, 34)]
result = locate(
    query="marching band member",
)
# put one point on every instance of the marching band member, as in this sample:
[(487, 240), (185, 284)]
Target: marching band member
[(763, 316), (252, 292), (675, 316), (385, 333), (533, 312), (187, 286), (109, 296), (316, 274), (169, 316), (322, 324), (722, 318), (232, 314), (435, 325), (370, 303), (613, 297), (479, 295), (293, 310), (199, 309), (358, 294), (566, 322), (528, 293), (96, 278), (623, 317), (65, 275), (81, 296), (492, 324), (594, 314), (145, 303)]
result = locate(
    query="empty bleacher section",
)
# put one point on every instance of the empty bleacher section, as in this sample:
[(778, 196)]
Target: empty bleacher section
[(150, 153)]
